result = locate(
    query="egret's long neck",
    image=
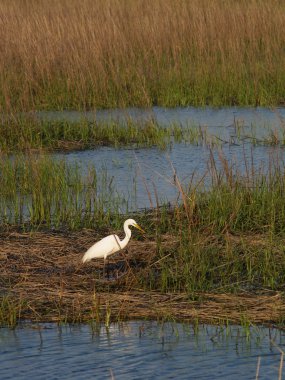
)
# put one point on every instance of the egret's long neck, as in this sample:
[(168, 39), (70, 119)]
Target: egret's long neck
[(128, 232)]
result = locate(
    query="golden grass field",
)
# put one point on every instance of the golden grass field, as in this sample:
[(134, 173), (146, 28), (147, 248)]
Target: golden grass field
[(58, 54)]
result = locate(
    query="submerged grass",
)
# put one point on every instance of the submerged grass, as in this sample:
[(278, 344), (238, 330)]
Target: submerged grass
[(62, 54)]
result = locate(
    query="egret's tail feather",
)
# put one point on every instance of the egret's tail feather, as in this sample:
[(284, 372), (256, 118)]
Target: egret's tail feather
[(85, 258)]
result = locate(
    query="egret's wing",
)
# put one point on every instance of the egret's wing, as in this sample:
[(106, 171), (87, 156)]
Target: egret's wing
[(102, 248)]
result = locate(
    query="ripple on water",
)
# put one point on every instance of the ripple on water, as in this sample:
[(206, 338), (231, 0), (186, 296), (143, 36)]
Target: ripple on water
[(137, 350)]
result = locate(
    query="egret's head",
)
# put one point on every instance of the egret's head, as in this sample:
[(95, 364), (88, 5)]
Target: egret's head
[(132, 222)]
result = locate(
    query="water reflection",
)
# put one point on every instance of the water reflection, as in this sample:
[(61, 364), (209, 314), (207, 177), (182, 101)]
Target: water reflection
[(139, 350)]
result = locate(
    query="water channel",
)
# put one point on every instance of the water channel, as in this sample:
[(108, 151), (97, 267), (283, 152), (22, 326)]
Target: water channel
[(140, 350), (144, 175)]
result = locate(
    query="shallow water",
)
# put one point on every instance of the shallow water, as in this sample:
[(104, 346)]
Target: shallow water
[(142, 176), (145, 176), (139, 350), (207, 116)]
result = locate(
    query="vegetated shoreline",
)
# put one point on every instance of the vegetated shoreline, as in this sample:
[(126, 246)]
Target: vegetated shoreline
[(217, 255), (43, 280), (81, 56), (28, 135)]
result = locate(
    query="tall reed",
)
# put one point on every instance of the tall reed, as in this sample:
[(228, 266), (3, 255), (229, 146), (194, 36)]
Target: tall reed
[(229, 236), (39, 191), (108, 53)]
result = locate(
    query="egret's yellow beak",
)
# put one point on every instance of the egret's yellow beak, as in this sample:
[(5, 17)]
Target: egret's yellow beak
[(139, 228)]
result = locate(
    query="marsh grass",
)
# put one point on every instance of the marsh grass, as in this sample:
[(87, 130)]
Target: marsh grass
[(39, 191), (29, 134), (10, 311), (226, 239), (62, 54)]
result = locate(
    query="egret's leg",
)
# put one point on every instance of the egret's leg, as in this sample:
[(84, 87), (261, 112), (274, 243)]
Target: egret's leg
[(108, 273), (104, 267)]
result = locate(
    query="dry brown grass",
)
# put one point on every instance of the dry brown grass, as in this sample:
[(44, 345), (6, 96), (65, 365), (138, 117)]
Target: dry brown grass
[(66, 53), (42, 276)]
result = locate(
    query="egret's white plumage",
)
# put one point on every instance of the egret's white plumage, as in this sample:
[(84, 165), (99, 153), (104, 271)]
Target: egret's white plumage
[(110, 244)]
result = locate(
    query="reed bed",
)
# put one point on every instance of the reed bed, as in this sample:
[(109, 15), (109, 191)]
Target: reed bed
[(226, 242), (65, 54)]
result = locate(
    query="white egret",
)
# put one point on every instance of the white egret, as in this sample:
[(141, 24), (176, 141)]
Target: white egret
[(110, 244)]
